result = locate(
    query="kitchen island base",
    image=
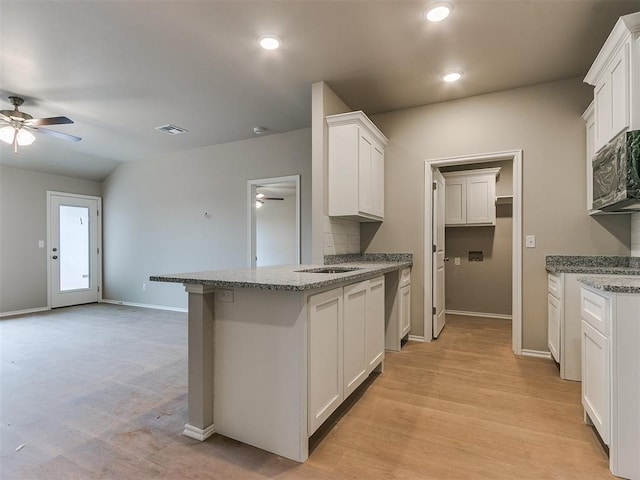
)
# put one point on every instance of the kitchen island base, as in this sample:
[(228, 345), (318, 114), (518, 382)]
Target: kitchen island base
[(274, 351)]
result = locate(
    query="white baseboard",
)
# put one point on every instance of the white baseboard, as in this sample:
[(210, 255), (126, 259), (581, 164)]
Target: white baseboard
[(198, 433), (24, 312), (536, 354), (145, 305), (416, 338), (501, 316)]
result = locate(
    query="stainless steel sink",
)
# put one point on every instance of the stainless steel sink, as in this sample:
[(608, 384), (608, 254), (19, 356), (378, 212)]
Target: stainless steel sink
[(329, 270)]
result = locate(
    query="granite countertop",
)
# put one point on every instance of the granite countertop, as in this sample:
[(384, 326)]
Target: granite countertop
[(617, 284), (286, 277), (593, 264), (603, 270)]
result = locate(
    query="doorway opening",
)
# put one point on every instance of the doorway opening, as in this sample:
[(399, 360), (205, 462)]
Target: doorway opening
[(274, 221), (433, 298), (74, 244)]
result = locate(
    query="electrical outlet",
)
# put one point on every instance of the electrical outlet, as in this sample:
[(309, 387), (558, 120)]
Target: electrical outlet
[(225, 295), (530, 241), (456, 260), (144, 287)]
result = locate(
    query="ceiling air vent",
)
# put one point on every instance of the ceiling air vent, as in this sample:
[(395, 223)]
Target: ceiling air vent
[(171, 129)]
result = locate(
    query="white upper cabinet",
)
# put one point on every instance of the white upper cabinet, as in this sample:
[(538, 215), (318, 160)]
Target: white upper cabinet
[(470, 197), (356, 168), (590, 124), (615, 76)]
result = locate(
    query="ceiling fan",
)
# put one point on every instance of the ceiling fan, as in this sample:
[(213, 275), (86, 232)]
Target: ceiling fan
[(261, 197), (16, 126)]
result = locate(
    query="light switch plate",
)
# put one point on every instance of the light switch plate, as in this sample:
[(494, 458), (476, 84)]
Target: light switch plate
[(40, 243), (530, 241), (456, 260)]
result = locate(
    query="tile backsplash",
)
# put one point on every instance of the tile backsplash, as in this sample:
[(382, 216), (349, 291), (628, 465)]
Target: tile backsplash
[(341, 236), (635, 234)]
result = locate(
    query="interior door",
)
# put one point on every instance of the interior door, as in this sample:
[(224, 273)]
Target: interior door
[(74, 249), (439, 317), (274, 221)]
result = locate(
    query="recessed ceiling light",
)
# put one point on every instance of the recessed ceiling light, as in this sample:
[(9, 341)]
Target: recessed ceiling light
[(269, 42), (438, 11), (452, 76)]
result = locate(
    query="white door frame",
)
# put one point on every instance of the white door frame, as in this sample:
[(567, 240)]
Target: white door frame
[(51, 193), (516, 290), (251, 215)]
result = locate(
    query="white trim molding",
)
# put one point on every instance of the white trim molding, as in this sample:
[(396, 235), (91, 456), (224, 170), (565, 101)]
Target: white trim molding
[(24, 312), (416, 338), (144, 305), (198, 433), (536, 354), (516, 260), (500, 316)]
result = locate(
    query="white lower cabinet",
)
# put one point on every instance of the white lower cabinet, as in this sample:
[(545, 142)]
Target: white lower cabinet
[(553, 326), (610, 378), (398, 308), (405, 310), (355, 321), (325, 391), (596, 380), (346, 343), (374, 330), (564, 323)]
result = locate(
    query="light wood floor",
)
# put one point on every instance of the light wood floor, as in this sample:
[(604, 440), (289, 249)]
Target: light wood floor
[(98, 392)]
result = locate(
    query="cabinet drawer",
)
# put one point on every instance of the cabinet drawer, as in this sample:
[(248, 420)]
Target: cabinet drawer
[(405, 277), (595, 309), (554, 285)]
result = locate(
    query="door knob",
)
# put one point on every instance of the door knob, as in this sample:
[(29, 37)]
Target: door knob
[(55, 249), (446, 259), (55, 257)]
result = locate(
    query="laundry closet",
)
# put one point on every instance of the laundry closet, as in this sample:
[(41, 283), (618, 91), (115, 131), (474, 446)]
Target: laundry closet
[(478, 239)]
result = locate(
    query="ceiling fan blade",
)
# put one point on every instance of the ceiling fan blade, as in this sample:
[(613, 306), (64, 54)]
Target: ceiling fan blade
[(273, 198), (53, 133), (4, 117), (36, 122)]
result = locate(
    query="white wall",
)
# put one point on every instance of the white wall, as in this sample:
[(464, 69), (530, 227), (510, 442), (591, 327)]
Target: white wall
[(330, 235), (545, 122), (23, 222), (276, 232), (154, 213), (635, 234)]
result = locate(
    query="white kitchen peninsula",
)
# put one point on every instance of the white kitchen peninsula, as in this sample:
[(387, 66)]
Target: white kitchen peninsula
[(273, 350)]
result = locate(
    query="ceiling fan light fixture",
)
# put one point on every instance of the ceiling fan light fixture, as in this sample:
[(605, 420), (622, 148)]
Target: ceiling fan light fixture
[(24, 137), (259, 203), (438, 11), (260, 195), (7, 133)]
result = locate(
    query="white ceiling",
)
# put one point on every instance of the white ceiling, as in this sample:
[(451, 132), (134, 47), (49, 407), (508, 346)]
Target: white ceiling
[(121, 68)]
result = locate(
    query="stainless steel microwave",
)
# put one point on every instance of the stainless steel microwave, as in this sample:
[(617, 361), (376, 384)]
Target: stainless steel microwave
[(616, 174)]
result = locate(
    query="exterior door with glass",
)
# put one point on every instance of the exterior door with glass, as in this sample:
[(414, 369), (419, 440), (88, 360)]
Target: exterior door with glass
[(74, 246)]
